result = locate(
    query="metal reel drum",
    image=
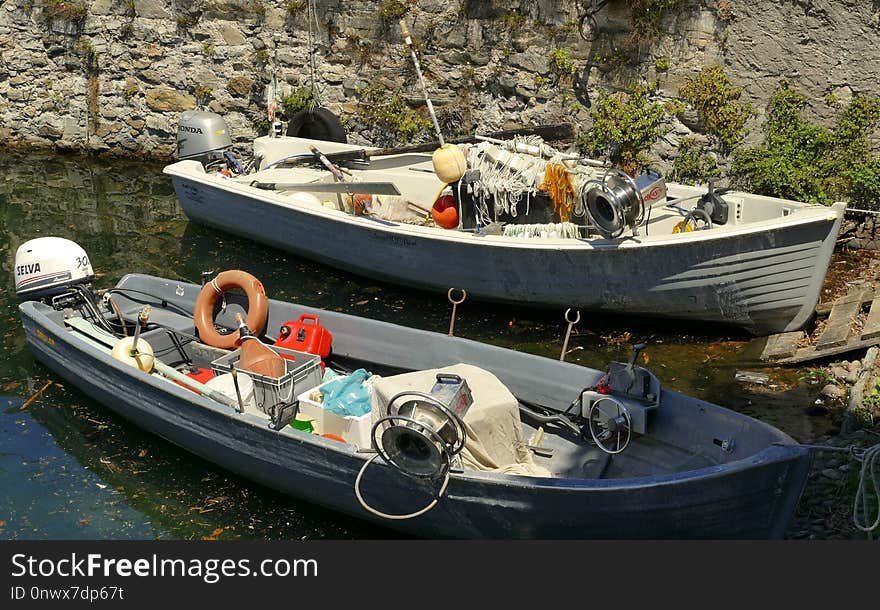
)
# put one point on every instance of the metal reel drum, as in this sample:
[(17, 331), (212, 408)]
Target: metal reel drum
[(423, 436), (614, 203)]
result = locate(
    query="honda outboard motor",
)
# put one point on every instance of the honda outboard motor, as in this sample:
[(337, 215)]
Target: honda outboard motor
[(202, 136), (49, 266)]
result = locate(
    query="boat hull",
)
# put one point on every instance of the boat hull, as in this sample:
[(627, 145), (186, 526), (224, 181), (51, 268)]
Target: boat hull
[(765, 279), (750, 498)]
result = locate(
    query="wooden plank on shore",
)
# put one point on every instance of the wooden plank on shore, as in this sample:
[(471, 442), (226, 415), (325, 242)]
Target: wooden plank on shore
[(839, 321), (871, 328), (811, 353), (782, 345), (864, 296)]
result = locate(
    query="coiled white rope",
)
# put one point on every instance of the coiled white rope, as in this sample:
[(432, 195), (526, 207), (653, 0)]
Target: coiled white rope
[(378, 513), (868, 458), (869, 461), (550, 230)]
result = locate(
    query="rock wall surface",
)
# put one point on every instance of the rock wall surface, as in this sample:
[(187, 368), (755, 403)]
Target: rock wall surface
[(112, 75)]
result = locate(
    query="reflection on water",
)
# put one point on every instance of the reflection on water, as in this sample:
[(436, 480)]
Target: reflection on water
[(71, 469)]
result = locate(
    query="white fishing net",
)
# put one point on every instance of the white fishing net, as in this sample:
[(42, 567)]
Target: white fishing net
[(510, 174)]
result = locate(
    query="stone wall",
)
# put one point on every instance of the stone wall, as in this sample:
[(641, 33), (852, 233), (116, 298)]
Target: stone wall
[(115, 78)]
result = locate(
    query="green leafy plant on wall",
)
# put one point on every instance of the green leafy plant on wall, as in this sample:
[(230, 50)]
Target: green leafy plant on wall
[(74, 11), (694, 163), (260, 125), (716, 101), (359, 47), (387, 115), (295, 7), (392, 10), (646, 17), (259, 9), (805, 161), (202, 93), (625, 127), (560, 63), (514, 20), (298, 99), (661, 64)]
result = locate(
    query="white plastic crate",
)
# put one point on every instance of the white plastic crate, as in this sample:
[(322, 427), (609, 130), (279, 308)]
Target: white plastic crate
[(355, 430), (303, 373)]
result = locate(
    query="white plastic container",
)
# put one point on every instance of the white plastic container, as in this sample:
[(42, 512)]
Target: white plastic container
[(225, 385), (355, 430)]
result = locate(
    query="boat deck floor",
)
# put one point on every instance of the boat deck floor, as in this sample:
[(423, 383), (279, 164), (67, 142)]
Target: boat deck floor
[(563, 455), (645, 456)]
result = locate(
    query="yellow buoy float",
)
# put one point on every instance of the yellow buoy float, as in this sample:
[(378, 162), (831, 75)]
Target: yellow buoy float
[(142, 358), (449, 163)]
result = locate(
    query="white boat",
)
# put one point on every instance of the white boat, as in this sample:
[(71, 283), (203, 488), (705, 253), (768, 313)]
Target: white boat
[(742, 259)]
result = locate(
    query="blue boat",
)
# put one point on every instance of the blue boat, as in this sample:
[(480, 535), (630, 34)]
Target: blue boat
[(597, 454)]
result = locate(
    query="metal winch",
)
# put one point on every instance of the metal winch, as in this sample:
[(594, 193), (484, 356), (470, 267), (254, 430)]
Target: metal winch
[(424, 431), (616, 202)]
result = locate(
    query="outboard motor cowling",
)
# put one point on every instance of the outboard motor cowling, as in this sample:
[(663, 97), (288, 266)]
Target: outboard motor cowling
[(48, 266), (202, 136)]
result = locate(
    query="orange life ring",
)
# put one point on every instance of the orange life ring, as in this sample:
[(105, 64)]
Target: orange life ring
[(258, 307)]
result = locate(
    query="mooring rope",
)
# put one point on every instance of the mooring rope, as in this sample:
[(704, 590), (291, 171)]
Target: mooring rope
[(869, 461), (869, 458), (312, 16)]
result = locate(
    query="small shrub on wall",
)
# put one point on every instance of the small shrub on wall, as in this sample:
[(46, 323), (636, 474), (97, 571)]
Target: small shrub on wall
[(805, 161)]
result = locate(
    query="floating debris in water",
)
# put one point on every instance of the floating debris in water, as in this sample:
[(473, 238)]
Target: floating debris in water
[(750, 377)]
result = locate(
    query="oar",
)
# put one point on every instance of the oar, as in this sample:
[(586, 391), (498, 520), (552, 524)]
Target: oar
[(362, 188)]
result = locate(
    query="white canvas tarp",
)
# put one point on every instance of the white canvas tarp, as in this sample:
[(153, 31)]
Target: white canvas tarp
[(495, 436)]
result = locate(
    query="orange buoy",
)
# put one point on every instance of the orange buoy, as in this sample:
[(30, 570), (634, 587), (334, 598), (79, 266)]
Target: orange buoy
[(445, 212)]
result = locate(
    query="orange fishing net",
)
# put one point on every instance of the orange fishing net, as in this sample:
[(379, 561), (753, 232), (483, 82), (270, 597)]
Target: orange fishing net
[(557, 184)]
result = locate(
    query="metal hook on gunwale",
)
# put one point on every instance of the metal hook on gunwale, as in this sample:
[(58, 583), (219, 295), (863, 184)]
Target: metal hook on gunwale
[(571, 324), (455, 305)]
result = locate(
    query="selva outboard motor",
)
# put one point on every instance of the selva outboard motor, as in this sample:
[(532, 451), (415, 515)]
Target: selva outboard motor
[(202, 136), (46, 267)]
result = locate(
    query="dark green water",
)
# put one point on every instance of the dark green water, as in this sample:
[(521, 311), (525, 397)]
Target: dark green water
[(70, 468)]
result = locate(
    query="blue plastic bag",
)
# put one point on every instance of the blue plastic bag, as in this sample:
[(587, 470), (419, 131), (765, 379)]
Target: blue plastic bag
[(348, 395)]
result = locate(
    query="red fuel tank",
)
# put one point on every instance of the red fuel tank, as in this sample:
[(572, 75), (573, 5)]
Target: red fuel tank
[(305, 335)]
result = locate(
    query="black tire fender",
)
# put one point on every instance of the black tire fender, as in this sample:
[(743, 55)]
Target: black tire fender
[(317, 124)]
